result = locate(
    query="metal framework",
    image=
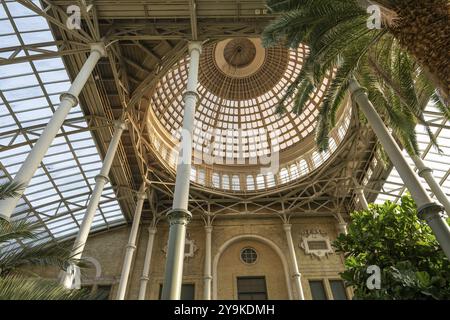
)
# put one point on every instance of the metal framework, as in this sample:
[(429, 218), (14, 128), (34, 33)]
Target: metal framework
[(39, 54)]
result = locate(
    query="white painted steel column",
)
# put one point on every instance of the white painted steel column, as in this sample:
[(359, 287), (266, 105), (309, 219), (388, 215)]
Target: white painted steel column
[(100, 180), (179, 216), (297, 275), (147, 263), (67, 101), (427, 210), (342, 228), (207, 277), (427, 173), (131, 246), (362, 198)]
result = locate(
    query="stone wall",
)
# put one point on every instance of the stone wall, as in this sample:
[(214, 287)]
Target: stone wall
[(229, 237)]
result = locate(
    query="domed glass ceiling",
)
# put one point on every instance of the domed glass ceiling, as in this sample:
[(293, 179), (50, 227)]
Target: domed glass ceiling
[(236, 123)]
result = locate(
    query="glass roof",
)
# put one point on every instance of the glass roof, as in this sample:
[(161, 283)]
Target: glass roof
[(29, 93), (394, 188), (236, 127), (236, 123), (60, 189)]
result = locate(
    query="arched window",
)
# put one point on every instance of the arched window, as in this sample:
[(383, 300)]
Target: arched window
[(284, 175), (225, 182), (270, 178), (332, 144), (216, 180), (250, 183), (317, 159), (235, 184), (303, 165), (260, 184), (294, 171), (201, 176), (193, 174)]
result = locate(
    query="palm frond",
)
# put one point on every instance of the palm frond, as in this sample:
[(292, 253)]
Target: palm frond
[(16, 229), (10, 190), (13, 287)]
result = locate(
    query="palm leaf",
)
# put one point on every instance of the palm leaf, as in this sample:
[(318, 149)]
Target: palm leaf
[(10, 190), (13, 287)]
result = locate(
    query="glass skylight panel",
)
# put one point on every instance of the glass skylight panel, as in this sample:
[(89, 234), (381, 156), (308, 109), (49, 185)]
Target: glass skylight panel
[(29, 93), (438, 162)]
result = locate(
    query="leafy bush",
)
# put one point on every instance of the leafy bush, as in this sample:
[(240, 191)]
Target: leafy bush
[(392, 237)]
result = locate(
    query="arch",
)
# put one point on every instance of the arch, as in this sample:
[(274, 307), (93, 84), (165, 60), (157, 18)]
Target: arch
[(255, 237), (96, 263)]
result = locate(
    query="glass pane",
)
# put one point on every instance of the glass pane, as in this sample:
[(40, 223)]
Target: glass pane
[(252, 288), (188, 292), (317, 290), (338, 289)]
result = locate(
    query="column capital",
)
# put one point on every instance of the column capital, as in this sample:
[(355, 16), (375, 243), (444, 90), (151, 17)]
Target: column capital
[(145, 278), (99, 47), (342, 227), (430, 211), (120, 124), (359, 190), (190, 94), (287, 227), (141, 195), (208, 229), (152, 230), (70, 97), (101, 177), (179, 216), (355, 88), (423, 171), (195, 45)]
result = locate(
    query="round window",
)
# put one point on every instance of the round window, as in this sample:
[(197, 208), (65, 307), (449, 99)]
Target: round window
[(249, 255)]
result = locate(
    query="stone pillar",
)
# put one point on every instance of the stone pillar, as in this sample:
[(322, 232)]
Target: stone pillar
[(147, 263), (427, 210), (67, 101), (179, 216), (100, 180), (294, 264), (131, 246)]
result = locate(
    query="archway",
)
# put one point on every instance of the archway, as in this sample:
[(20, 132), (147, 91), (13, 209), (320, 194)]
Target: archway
[(277, 253)]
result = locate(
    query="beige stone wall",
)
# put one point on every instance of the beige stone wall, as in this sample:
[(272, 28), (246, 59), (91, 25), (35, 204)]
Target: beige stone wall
[(229, 236), (268, 264)]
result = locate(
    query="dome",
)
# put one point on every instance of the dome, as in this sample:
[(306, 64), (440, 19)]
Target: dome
[(237, 131)]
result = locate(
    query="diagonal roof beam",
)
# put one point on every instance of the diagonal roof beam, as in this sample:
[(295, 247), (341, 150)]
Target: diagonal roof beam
[(193, 14), (79, 34)]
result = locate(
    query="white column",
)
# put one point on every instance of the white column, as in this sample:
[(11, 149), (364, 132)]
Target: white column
[(297, 275), (147, 263), (131, 246), (426, 173), (67, 101), (342, 228), (100, 180), (362, 198), (207, 277), (427, 210), (179, 216)]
